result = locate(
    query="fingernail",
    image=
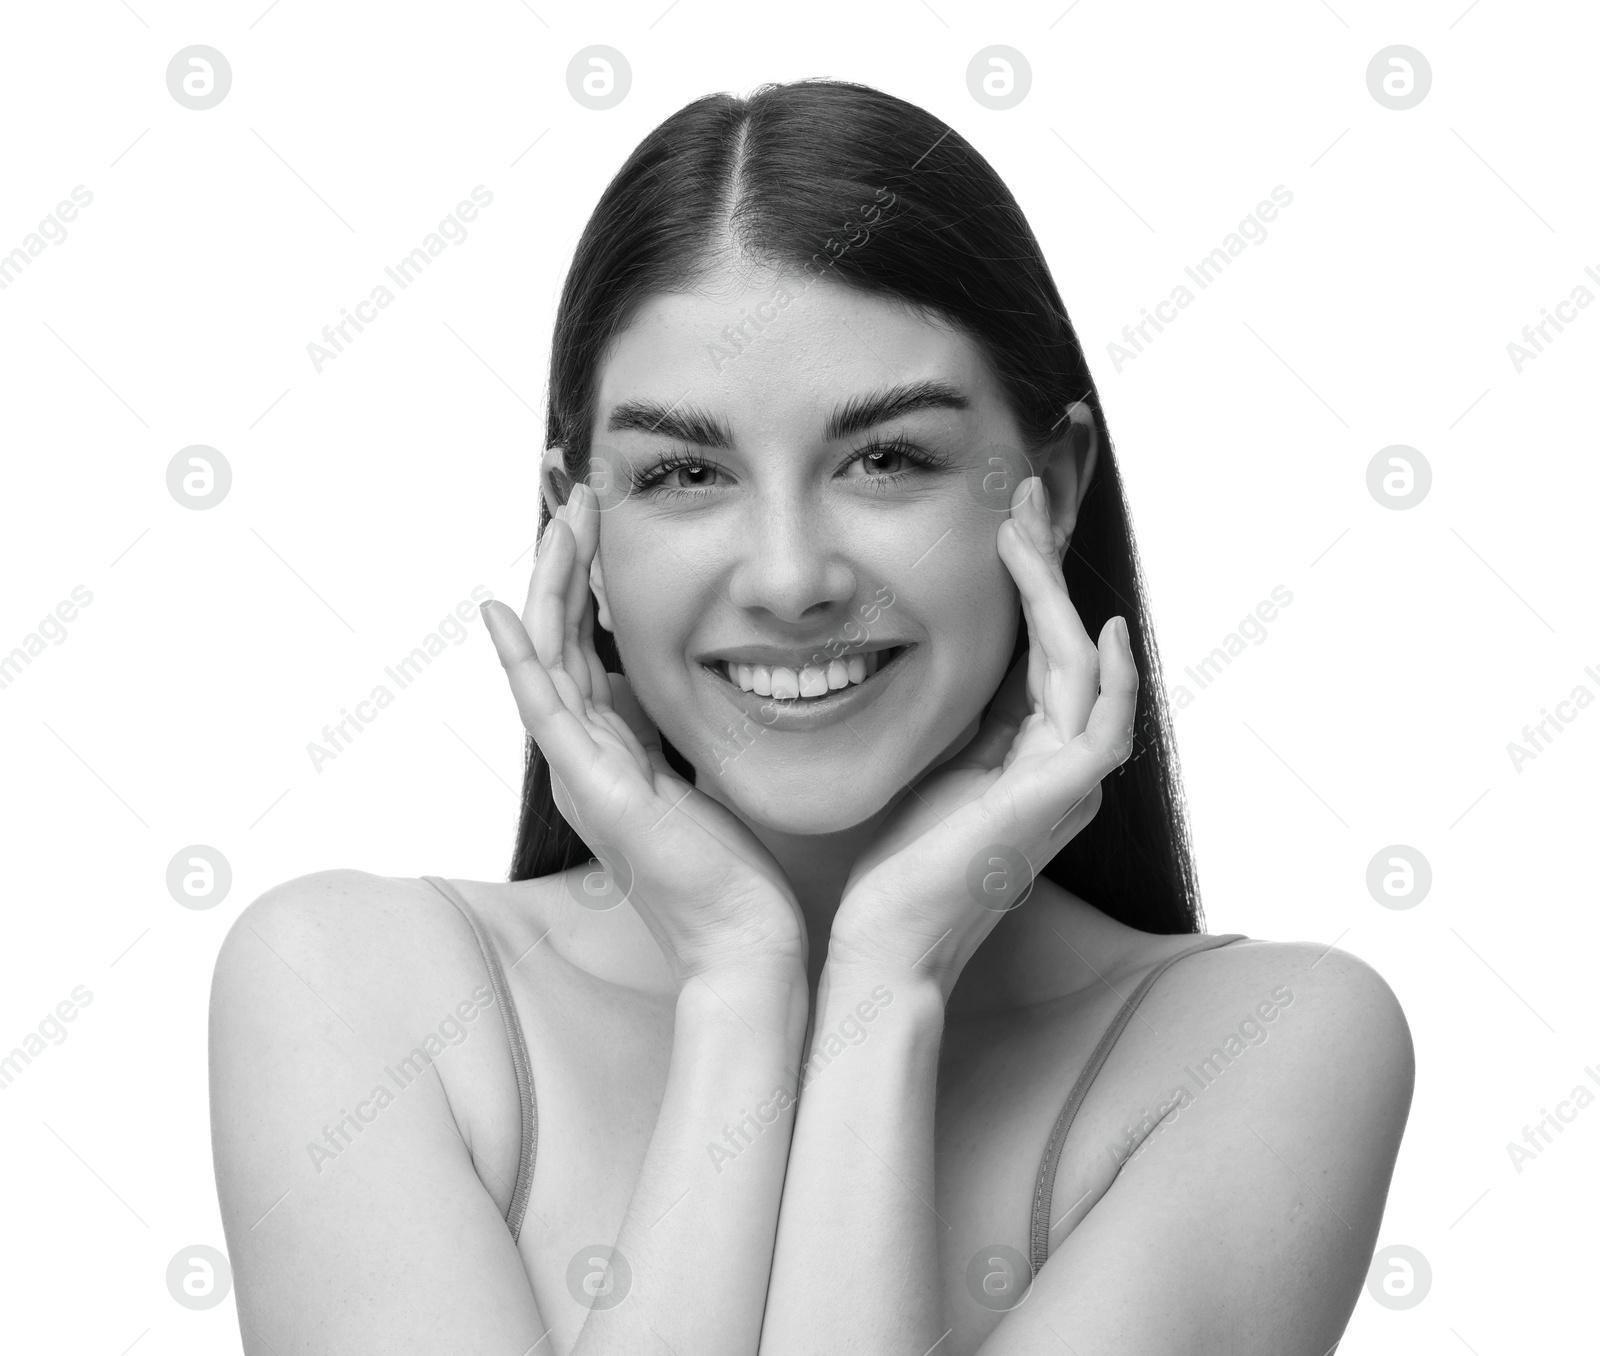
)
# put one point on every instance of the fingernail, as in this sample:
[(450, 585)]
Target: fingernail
[(1122, 631)]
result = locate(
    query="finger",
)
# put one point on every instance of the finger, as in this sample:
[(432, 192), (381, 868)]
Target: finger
[(1108, 734), (564, 803), (587, 531), (546, 712), (582, 766), (546, 615), (576, 601), (1062, 660), (600, 689)]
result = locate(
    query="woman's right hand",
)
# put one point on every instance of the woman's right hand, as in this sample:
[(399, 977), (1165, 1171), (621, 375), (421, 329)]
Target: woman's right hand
[(707, 888)]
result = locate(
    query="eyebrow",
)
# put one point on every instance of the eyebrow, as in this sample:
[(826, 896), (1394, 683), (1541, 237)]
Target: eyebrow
[(685, 423), (859, 413)]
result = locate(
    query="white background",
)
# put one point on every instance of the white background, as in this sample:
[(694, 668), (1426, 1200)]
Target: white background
[(369, 499)]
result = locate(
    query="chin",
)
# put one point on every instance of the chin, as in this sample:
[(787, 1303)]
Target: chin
[(776, 800)]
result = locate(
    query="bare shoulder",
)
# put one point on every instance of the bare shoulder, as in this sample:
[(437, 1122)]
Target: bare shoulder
[(1343, 1011), (335, 906), (354, 1047), (1300, 1032), (1255, 1118), (363, 939)]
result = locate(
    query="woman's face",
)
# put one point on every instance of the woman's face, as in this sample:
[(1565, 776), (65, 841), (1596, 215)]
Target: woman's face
[(808, 494)]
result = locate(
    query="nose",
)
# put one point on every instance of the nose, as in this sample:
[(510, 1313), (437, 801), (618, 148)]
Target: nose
[(790, 562)]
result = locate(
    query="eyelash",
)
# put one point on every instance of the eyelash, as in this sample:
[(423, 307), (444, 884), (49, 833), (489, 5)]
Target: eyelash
[(900, 445)]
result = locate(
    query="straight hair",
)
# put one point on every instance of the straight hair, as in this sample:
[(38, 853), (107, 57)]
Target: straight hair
[(844, 181)]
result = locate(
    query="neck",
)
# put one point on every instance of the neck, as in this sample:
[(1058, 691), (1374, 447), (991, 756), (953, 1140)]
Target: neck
[(818, 865)]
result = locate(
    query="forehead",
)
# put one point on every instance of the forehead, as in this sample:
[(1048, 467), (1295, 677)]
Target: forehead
[(767, 349)]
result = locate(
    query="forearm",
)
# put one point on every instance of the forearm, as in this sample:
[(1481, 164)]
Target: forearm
[(856, 1263), (698, 1234)]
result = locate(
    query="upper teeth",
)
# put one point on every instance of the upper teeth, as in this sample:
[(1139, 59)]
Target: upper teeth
[(809, 680)]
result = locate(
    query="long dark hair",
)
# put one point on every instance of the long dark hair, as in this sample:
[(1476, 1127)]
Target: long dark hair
[(826, 175)]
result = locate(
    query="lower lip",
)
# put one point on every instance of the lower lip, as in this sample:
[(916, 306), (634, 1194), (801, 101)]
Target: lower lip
[(811, 713)]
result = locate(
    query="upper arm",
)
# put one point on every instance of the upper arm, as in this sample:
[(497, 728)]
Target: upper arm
[(1246, 1223), (393, 1244)]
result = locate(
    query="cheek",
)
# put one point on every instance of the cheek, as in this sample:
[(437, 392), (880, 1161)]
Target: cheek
[(969, 610), (643, 606), (629, 577)]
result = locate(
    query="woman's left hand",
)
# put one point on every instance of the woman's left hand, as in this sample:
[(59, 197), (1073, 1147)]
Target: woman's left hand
[(964, 845)]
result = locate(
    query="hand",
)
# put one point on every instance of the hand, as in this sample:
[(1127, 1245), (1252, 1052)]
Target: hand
[(707, 888), (944, 868)]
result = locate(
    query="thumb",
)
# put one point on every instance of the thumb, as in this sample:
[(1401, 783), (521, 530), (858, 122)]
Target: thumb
[(565, 805)]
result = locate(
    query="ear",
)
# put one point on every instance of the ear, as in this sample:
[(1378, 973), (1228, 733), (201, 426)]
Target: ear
[(597, 585), (1067, 468), (555, 486), (554, 482)]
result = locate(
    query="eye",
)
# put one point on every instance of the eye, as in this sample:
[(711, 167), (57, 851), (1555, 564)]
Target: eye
[(695, 473), (890, 461), (884, 458)]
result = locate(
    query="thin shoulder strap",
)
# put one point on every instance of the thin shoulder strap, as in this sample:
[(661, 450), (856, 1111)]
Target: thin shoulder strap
[(1044, 1187), (519, 1055)]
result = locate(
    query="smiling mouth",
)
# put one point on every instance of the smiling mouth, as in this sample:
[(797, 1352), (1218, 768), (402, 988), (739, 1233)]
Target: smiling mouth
[(807, 684)]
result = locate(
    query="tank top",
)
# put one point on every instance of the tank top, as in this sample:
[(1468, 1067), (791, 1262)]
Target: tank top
[(1044, 1183)]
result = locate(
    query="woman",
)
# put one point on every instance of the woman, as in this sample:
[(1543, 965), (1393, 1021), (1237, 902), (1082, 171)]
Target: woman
[(883, 1021)]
